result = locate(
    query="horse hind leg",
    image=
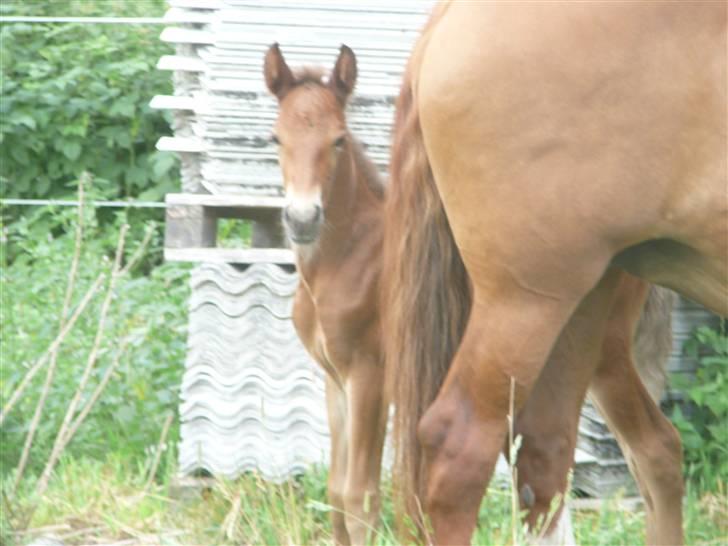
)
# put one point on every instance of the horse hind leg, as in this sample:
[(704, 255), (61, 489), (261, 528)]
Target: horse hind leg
[(367, 428), (466, 427), (548, 427), (648, 440), (549, 421)]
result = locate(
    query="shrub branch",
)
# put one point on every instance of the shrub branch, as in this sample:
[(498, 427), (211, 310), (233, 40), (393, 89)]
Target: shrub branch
[(60, 441), (70, 287)]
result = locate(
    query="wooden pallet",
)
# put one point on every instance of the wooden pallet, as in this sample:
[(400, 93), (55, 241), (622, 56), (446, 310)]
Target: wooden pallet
[(190, 233)]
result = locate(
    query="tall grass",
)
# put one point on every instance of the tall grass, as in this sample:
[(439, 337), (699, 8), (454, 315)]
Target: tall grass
[(115, 480), (93, 501)]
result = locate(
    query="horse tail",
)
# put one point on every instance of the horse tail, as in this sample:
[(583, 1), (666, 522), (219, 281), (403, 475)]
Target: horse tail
[(426, 291), (653, 340)]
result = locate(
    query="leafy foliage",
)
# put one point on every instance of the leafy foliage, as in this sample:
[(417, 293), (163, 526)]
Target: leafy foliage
[(704, 429), (149, 310), (75, 97)]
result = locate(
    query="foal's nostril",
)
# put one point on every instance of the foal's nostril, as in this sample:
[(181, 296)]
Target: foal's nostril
[(317, 214), (287, 215)]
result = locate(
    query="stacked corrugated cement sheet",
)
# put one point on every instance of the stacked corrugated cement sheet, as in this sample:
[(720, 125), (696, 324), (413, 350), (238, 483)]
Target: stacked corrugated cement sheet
[(607, 471), (252, 399), (228, 114)]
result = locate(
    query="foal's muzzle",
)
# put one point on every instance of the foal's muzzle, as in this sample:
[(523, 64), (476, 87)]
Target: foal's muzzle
[(302, 223)]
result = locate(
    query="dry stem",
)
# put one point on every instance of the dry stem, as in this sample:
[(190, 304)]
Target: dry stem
[(158, 454), (139, 252), (52, 348), (70, 286), (60, 441), (96, 394)]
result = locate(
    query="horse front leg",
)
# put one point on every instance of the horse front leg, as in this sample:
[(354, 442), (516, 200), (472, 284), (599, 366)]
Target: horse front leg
[(367, 427), (507, 339), (337, 413)]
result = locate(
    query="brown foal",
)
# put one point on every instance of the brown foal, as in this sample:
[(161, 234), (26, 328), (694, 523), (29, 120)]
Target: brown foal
[(538, 146), (334, 220)]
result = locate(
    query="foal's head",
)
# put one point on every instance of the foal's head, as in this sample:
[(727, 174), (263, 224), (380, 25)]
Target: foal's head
[(310, 133)]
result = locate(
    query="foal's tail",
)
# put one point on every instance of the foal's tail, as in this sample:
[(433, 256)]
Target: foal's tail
[(426, 290)]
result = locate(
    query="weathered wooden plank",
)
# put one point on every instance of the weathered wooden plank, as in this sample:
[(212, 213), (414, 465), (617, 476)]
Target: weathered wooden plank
[(180, 63), (176, 35), (268, 234), (187, 226), (281, 256), (180, 144), (210, 200), (176, 15), (173, 102)]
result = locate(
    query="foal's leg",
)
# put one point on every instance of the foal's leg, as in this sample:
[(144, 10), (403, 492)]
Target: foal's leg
[(336, 408), (366, 431), (464, 430), (648, 440)]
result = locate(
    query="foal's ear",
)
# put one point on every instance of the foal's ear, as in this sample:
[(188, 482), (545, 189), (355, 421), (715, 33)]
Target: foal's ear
[(343, 77), (278, 77)]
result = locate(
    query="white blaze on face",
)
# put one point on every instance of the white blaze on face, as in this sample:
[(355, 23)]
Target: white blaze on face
[(301, 205)]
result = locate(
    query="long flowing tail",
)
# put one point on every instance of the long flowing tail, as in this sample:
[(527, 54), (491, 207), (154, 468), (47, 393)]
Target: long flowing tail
[(427, 294), (653, 340)]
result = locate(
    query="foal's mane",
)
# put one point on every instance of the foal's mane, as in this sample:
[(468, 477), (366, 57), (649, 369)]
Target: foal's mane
[(367, 169), (310, 75)]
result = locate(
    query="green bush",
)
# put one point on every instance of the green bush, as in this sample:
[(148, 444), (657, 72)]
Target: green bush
[(75, 97), (148, 309), (704, 430)]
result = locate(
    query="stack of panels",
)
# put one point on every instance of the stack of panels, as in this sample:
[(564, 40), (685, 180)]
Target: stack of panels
[(252, 399), (225, 112), (608, 470), (192, 19)]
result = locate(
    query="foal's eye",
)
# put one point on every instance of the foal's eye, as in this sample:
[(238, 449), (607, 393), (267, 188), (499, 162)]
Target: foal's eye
[(339, 142), (274, 140)]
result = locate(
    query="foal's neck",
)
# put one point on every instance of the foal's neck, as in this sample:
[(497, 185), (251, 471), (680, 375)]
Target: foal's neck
[(354, 190)]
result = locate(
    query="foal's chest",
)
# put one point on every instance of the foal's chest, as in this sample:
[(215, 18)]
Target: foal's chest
[(322, 335)]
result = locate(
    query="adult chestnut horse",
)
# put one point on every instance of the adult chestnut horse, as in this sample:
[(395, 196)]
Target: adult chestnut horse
[(539, 144), (334, 219)]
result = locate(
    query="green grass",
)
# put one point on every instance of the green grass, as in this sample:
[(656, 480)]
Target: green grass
[(101, 491), (92, 501)]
